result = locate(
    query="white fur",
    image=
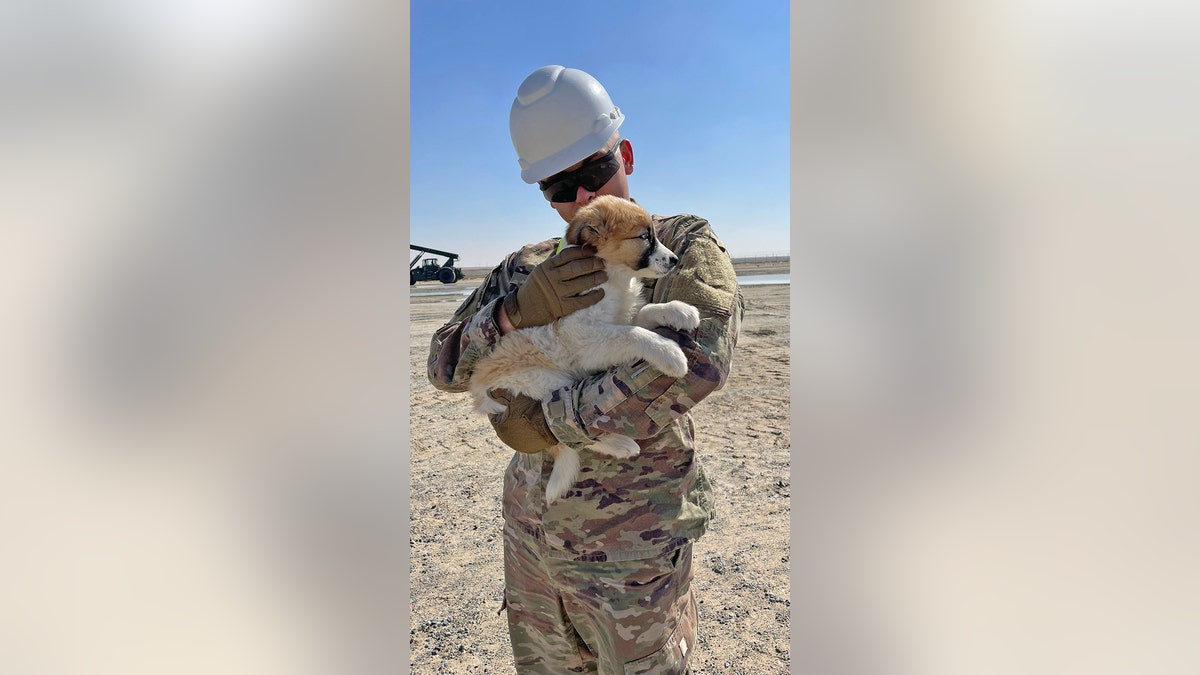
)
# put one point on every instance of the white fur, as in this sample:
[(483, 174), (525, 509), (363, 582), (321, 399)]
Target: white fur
[(591, 340)]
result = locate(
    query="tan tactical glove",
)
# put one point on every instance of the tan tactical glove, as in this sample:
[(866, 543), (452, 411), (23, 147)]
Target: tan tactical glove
[(522, 426), (552, 289)]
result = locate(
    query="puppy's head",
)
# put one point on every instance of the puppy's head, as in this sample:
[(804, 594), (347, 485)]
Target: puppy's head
[(623, 235)]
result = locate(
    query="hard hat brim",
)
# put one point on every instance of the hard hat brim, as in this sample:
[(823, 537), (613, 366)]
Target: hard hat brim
[(574, 153)]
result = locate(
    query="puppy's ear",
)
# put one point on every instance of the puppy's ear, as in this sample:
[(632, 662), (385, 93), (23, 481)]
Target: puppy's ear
[(585, 227)]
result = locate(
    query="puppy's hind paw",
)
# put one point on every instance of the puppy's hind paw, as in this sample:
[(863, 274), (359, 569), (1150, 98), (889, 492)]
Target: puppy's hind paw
[(490, 406), (555, 489), (616, 445), (673, 363)]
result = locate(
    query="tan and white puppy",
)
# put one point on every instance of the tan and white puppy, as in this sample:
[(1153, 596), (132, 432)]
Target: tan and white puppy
[(536, 361)]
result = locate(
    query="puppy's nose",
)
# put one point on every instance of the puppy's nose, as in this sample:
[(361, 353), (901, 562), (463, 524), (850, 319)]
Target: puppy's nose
[(672, 259)]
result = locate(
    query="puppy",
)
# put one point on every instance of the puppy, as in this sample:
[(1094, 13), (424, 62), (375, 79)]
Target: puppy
[(538, 360)]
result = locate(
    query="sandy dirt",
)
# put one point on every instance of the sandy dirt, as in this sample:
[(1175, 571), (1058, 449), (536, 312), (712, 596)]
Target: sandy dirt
[(741, 564)]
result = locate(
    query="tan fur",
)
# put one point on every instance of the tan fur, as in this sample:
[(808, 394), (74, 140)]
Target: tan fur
[(611, 225)]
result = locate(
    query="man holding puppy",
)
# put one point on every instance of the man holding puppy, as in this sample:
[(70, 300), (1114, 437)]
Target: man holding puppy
[(600, 580)]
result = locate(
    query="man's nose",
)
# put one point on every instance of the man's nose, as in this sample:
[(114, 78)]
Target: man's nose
[(583, 195)]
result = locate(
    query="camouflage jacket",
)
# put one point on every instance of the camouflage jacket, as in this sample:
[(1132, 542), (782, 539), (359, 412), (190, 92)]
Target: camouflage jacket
[(620, 509)]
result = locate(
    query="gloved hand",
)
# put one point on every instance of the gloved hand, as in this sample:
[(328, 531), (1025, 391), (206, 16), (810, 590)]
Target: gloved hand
[(522, 426), (551, 291)]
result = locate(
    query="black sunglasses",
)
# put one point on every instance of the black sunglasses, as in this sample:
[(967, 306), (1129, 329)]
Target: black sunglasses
[(592, 176)]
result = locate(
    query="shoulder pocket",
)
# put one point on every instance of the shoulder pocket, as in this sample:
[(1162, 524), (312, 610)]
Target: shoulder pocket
[(704, 279)]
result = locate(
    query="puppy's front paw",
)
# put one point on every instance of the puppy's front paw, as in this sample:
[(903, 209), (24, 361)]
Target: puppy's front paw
[(680, 315), (674, 314), (615, 445)]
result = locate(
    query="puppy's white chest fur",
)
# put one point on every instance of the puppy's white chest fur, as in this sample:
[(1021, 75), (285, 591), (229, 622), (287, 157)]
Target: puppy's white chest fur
[(582, 341)]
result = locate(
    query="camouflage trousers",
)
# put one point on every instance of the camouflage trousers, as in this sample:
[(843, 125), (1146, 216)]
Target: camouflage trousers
[(611, 618)]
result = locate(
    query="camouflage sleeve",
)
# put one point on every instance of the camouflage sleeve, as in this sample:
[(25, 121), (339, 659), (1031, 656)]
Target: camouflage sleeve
[(457, 346), (472, 331), (637, 400)]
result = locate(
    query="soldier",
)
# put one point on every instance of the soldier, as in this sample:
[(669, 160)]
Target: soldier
[(599, 581)]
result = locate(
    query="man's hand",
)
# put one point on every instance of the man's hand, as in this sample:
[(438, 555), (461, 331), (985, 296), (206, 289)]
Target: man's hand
[(552, 289), (522, 426)]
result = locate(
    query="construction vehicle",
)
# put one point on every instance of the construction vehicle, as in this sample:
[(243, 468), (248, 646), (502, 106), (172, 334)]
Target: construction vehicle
[(430, 270)]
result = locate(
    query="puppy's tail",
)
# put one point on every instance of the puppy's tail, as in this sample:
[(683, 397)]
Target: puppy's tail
[(562, 477)]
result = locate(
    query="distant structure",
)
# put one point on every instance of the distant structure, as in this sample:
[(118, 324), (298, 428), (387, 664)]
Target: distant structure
[(769, 257)]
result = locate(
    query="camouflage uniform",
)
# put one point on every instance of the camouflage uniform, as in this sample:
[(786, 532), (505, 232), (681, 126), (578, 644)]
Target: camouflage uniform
[(624, 519)]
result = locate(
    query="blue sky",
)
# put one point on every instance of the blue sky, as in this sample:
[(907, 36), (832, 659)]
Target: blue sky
[(704, 89)]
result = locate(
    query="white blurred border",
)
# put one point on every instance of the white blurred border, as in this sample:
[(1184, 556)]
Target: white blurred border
[(994, 339), (204, 213)]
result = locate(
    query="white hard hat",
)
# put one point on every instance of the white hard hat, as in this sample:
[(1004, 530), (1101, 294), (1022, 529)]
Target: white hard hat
[(559, 117)]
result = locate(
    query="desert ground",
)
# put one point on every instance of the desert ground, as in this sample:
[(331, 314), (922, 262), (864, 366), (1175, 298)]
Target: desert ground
[(741, 564)]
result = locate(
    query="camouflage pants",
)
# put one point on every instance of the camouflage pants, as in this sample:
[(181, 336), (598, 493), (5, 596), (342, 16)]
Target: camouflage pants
[(611, 618)]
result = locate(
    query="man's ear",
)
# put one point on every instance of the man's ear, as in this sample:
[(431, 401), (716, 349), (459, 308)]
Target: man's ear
[(627, 156)]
